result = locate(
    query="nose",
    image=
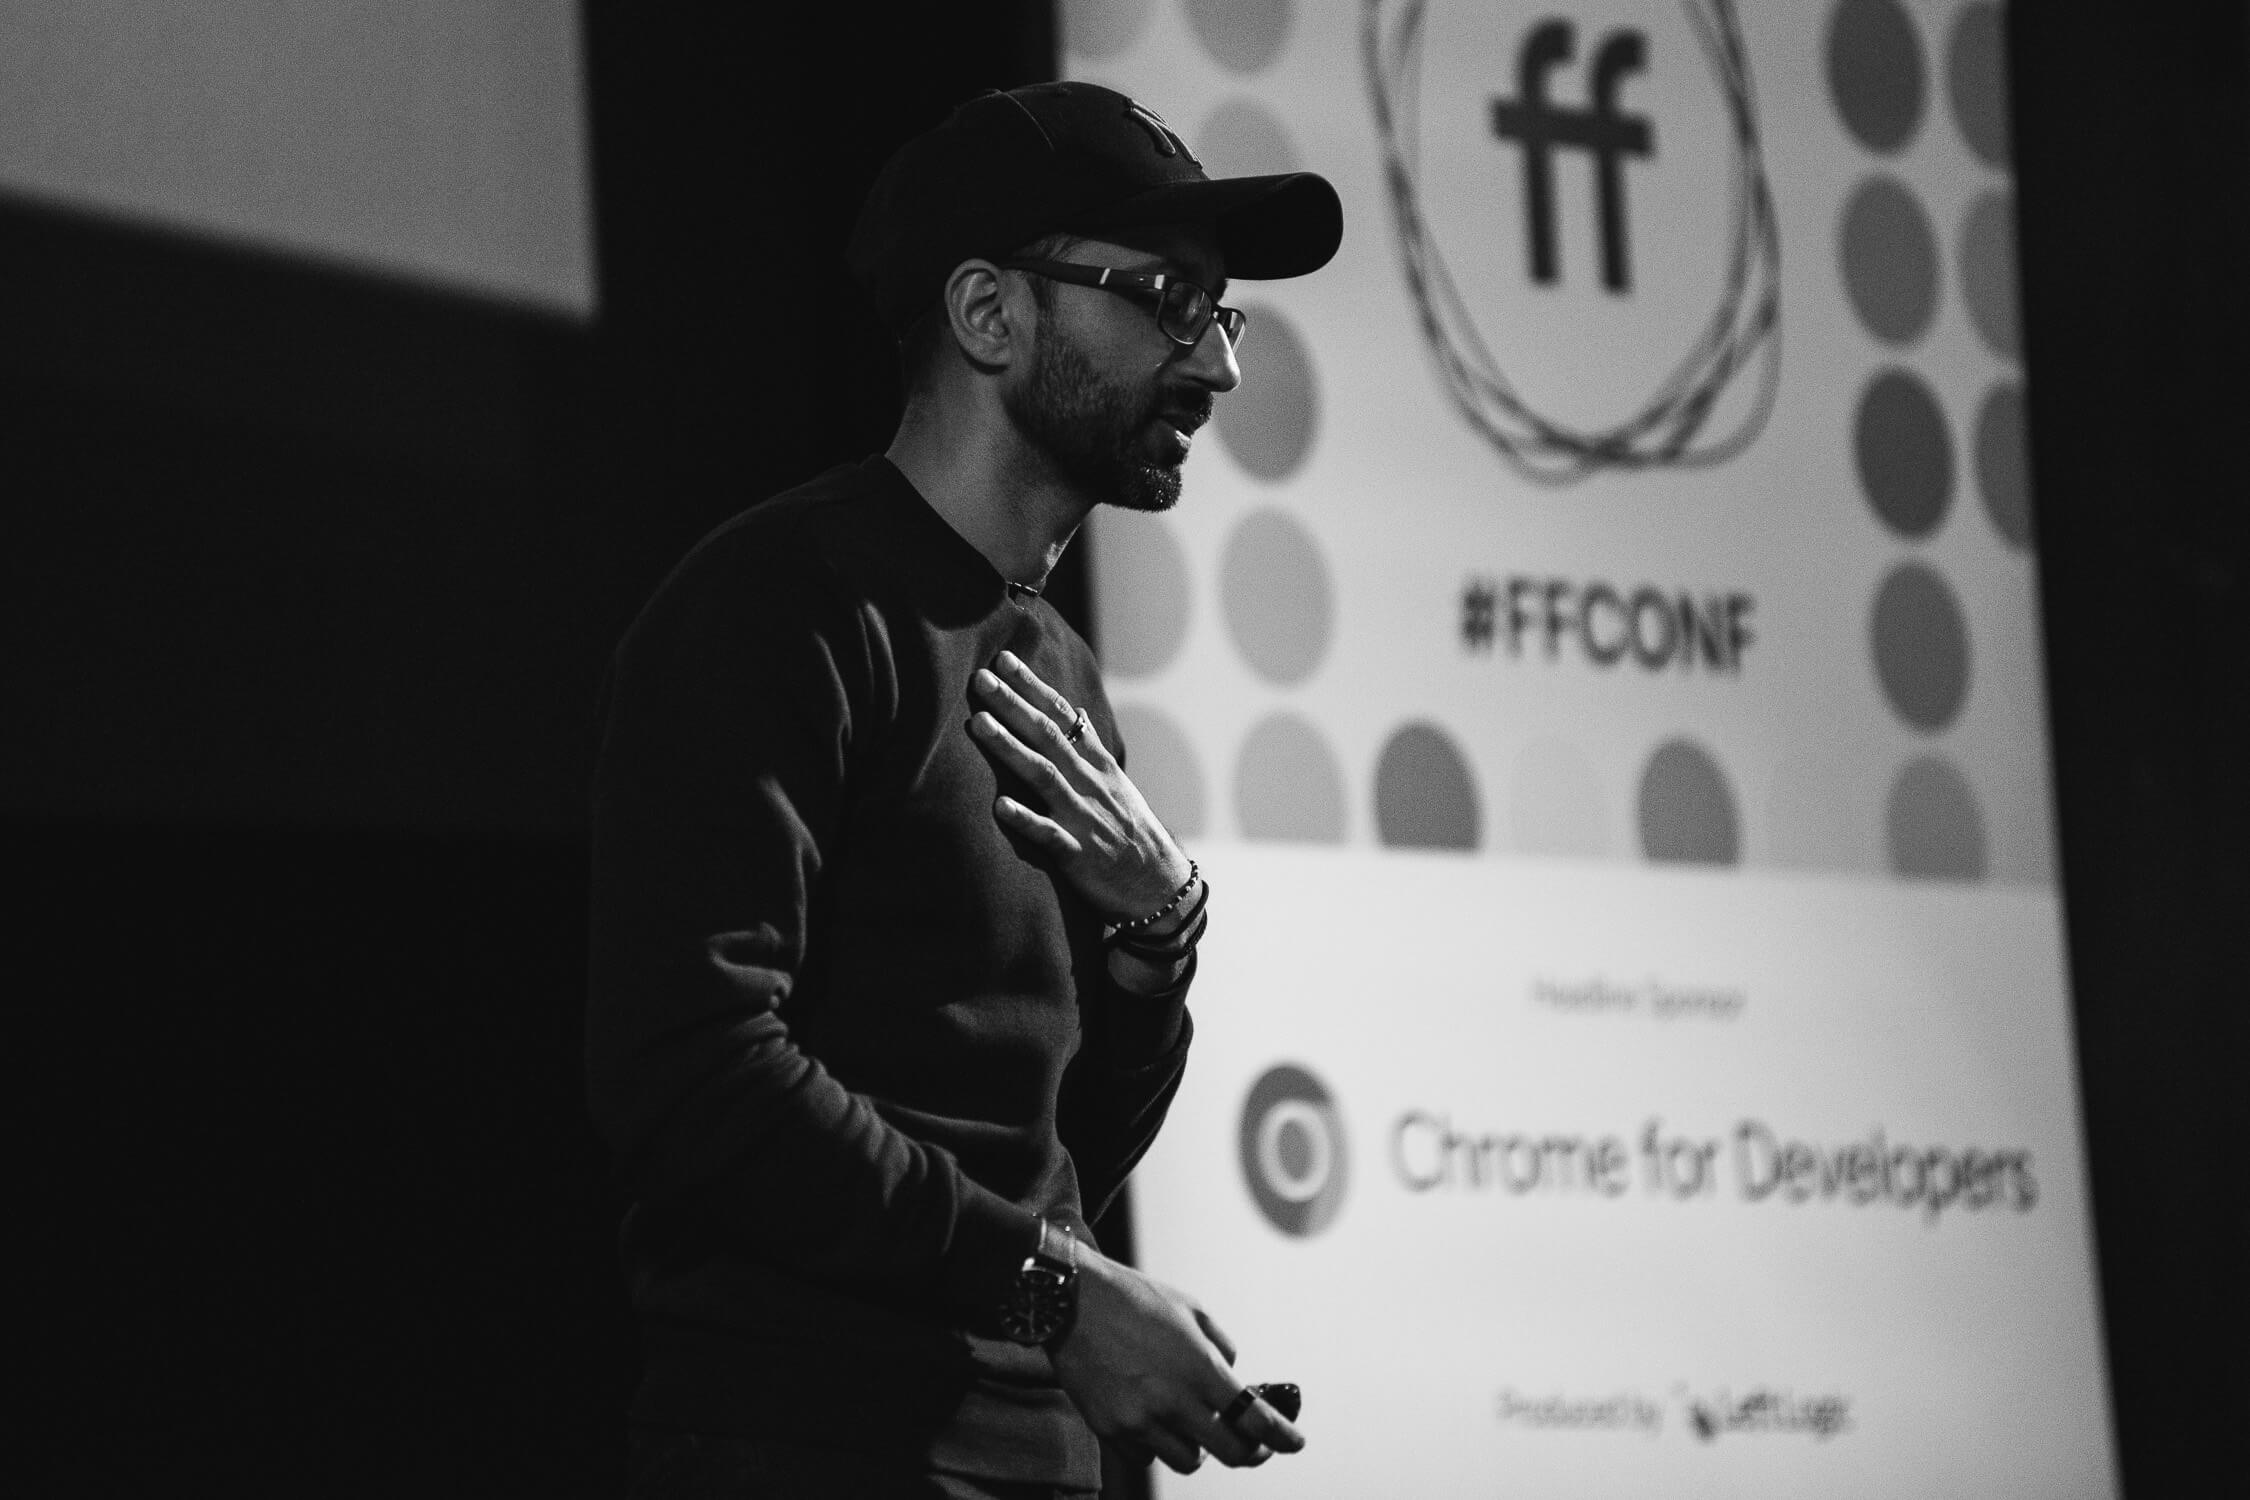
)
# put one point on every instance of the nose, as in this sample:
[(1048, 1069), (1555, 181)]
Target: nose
[(1211, 362)]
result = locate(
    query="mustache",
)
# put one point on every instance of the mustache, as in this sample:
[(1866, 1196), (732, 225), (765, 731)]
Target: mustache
[(1187, 410)]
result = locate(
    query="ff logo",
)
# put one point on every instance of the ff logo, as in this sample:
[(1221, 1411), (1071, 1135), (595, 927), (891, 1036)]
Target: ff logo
[(1536, 124), (1686, 419), (1293, 1155)]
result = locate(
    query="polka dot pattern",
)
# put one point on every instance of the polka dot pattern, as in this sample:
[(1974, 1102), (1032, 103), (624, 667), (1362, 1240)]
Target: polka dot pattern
[(1921, 644), (1274, 592), (1267, 424), (1143, 597), (1425, 795), (1875, 72), (1898, 267), (1905, 453), (1161, 760), (1918, 632), (1890, 260), (1687, 810), (1242, 36), (1287, 785), (1934, 828)]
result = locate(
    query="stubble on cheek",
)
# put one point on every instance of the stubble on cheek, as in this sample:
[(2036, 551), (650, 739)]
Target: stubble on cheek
[(1101, 435)]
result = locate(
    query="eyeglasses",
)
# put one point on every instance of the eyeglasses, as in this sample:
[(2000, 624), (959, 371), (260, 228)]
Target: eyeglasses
[(1183, 308)]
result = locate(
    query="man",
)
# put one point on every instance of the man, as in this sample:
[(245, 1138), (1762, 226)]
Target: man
[(890, 957)]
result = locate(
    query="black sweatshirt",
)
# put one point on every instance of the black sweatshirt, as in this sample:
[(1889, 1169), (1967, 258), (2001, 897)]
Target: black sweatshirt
[(846, 1038)]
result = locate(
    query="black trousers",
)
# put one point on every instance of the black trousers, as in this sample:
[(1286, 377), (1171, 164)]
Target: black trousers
[(697, 1466)]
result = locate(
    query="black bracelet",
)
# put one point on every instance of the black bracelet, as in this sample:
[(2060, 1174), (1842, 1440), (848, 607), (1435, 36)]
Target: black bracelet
[(1135, 924)]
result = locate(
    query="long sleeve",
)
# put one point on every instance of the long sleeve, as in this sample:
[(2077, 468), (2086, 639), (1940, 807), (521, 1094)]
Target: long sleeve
[(733, 719), (1121, 1084)]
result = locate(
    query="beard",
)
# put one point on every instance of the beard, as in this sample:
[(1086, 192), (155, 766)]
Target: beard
[(1104, 437)]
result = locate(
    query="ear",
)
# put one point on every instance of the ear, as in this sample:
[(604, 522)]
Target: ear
[(990, 318)]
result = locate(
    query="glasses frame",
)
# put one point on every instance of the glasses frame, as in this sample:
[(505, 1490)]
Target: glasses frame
[(1232, 321)]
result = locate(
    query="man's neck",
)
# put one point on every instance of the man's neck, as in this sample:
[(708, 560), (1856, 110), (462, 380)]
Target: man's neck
[(1015, 511)]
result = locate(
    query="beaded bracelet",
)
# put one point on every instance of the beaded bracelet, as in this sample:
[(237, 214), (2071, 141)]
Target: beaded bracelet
[(1173, 945), (1136, 924), (1165, 950)]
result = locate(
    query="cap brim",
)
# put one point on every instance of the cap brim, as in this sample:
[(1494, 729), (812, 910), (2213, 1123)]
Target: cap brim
[(1269, 227)]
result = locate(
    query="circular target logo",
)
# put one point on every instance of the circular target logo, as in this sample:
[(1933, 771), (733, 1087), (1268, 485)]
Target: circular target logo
[(1293, 1154)]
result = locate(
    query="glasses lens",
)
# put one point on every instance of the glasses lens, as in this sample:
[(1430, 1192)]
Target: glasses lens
[(1233, 322), (1185, 312)]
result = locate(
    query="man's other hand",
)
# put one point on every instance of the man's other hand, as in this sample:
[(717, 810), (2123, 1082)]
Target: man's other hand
[(1151, 1372), (1095, 822)]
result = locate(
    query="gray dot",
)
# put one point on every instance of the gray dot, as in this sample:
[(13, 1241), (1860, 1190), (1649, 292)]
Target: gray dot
[(1163, 765), (1905, 453), (1425, 796), (1243, 138), (1287, 785), (1267, 422), (1933, 825), (1274, 593), (1875, 72), (1890, 260), (2001, 475), (1555, 802), (1687, 809), (1242, 35), (1142, 595), (1102, 28), (1976, 75), (1921, 645), (1988, 272)]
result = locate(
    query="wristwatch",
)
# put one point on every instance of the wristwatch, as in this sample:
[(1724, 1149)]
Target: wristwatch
[(1043, 1298)]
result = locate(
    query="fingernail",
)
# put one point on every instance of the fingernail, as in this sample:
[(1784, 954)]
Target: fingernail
[(984, 679), (1008, 659)]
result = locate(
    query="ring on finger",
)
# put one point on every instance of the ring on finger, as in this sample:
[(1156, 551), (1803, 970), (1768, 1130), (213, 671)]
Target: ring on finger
[(1243, 1400), (1077, 728)]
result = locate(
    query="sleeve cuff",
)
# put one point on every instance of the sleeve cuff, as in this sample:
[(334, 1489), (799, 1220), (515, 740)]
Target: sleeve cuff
[(991, 1238), (1144, 1029)]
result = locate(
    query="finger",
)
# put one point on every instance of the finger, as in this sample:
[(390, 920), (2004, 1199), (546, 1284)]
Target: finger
[(1180, 1454), (1216, 1334), (1034, 688), (1045, 832), (1264, 1426), (1035, 768), (1036, 730), (1230, 1443)]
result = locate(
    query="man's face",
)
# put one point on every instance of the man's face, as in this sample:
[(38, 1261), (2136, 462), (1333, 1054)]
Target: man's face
[(1111, 401)]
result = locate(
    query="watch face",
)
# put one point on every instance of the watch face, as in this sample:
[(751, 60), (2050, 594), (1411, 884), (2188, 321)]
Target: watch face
[(1040, 1306)]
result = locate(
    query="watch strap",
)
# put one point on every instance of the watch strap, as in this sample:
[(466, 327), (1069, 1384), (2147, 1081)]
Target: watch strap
[(1058, 1245)]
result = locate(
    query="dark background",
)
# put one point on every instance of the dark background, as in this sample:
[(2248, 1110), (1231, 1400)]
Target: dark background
[(309, 576)]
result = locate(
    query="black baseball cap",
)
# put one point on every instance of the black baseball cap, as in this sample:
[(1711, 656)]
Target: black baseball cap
[(1009, 168)]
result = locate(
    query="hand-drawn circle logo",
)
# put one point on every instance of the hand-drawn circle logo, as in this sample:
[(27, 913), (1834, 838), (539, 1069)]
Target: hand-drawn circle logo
[(1293, 1154), (1744, 327)]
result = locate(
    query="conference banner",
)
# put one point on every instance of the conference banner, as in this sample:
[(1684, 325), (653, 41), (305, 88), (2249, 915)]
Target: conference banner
[(1596, 658)]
